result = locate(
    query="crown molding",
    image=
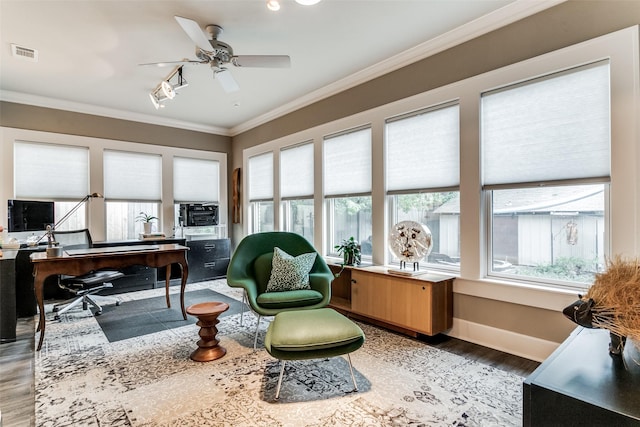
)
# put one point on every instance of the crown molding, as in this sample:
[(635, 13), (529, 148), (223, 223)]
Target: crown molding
[(77, 107), (499, 18), (506, 15)]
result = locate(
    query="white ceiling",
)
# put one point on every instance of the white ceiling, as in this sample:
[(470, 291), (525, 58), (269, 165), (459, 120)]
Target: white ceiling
[(89, 51)]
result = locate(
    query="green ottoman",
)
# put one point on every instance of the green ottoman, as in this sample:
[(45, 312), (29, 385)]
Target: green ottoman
[(312, 334)]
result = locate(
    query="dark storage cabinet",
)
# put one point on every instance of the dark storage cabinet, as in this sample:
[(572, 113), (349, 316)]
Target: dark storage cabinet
[(136, 277), (8, 297), (208, 259)]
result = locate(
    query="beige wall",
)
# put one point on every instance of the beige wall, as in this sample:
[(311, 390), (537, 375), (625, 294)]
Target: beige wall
[(561, 26), (22, 116)]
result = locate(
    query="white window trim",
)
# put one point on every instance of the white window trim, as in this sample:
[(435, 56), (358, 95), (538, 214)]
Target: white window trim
[(621, 47)]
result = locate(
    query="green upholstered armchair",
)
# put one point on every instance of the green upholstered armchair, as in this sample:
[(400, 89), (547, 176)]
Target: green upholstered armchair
[(250, 269)]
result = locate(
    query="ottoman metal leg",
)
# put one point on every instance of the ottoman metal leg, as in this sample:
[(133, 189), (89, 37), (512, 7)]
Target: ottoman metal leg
[(280, 379), (353, 378), (255, 339)]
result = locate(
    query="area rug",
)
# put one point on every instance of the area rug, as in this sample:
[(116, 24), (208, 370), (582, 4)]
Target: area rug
[(83, 380), (137, 317)]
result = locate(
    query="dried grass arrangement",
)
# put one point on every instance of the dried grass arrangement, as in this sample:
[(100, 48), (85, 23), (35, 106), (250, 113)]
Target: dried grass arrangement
[(616, 296)]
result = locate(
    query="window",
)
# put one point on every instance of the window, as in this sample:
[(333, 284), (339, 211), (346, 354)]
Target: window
[(347, 188), (261, 215), (62, 176), (296, 189), (132, 184), (546, 168), (195, 181), (423, 175)]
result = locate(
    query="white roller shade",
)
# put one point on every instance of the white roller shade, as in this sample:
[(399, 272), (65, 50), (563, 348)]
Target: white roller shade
[(261, 177), (50, 171), (132, 176), (195, 180), (347, 163), (553, 128), (296, 171), (423, 150)]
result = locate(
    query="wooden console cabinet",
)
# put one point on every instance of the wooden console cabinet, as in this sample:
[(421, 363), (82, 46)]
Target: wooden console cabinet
[(421, 304)]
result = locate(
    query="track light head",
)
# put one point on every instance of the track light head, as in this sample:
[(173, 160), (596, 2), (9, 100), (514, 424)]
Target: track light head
[(167, 90), (156, 100)]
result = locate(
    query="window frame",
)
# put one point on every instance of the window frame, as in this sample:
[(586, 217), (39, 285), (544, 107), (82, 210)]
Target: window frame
[(619, 47), (422, 187), (363, 190)]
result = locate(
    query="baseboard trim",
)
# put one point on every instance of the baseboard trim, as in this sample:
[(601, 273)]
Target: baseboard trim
[(500, 339)]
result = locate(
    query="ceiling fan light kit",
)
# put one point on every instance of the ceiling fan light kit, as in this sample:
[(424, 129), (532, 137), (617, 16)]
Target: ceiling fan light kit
[(307, 2)]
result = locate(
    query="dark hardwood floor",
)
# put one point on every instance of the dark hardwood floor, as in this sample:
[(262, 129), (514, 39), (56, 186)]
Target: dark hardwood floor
[(17, 382), (17, 389)]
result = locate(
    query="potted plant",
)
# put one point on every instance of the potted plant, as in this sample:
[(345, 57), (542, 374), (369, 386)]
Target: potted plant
[(350, 250), (351, 253), (146, 220)]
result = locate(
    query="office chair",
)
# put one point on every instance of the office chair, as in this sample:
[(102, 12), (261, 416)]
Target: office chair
[(250, 269), (82, 287)]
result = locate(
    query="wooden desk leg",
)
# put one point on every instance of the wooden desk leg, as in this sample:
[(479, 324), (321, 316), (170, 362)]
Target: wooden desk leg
[(166, 285), (183, 285), (38, 285)]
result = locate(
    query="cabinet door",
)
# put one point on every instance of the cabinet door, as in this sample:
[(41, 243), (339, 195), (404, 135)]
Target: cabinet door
[(371, 295), (411, 306), (402, 302)]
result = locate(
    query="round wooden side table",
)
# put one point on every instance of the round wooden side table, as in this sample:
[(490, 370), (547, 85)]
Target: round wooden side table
[(207, 314)]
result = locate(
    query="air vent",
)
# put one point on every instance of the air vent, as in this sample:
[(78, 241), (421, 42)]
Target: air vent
[(24, 53)]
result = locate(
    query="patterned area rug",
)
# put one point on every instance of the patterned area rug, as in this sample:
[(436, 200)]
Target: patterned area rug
[(83, 380)]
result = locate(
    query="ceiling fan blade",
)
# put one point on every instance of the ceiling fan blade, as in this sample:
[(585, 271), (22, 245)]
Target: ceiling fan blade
[(194, 32), (227, 81), (263, 61), (170, 63)]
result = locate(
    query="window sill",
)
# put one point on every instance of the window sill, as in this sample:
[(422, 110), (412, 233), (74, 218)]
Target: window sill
[(516, 293)]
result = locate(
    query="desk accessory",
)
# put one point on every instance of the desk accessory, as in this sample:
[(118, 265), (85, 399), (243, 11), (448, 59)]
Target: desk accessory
[(53, 249)]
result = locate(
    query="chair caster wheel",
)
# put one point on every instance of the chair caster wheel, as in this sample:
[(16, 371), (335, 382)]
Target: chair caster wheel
[(98, 313), (55, 309), (118, 303), (56, 317)]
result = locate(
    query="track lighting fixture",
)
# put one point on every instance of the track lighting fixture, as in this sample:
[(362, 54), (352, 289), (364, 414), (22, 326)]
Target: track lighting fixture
[(166, 89), (156, 99)]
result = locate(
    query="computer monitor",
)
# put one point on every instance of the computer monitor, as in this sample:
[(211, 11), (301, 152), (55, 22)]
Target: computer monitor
[(30, 215)]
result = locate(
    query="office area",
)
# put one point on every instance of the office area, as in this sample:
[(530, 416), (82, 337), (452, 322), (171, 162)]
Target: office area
[(484, 312)]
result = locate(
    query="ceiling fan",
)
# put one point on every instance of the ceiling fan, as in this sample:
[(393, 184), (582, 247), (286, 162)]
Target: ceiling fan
[(217, 54)]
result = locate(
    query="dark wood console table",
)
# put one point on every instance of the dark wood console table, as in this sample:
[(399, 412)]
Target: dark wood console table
[(580, 384), (107, 257)]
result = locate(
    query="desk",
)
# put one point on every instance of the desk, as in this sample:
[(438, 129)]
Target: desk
[(163, 256)]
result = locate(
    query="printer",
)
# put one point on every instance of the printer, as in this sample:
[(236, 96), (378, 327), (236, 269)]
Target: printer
[(197, 214)]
